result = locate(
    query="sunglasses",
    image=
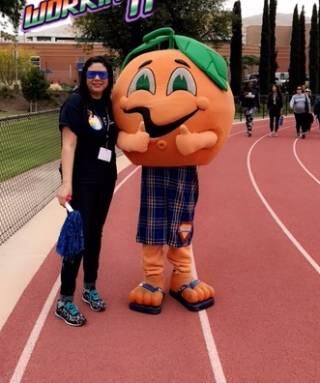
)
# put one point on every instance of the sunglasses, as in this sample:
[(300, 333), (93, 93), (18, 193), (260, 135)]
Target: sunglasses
[(92, 74)]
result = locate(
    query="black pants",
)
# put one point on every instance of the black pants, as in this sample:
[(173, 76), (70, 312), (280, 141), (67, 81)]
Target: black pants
[(274, 120), (93, 201), (301, 122)]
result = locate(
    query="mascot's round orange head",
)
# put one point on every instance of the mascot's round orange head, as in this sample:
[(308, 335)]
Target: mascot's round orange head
[(181, 96)]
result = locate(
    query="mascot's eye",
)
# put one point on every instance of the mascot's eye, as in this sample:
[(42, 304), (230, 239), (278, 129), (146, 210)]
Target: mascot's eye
[(181, 79), (143, 80)]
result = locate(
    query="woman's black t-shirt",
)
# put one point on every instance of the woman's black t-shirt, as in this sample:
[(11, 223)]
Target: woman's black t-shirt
[(91, 123)]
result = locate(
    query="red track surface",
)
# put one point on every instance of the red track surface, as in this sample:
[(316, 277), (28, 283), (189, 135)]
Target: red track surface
[(266, 319)]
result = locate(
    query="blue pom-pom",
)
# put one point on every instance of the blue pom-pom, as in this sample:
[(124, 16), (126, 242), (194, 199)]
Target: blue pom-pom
[(71, 240)]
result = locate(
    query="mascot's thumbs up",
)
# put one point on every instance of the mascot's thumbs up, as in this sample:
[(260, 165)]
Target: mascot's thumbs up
[(181, 95)]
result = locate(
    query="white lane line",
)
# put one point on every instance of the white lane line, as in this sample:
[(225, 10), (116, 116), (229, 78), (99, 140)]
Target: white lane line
[(213, 354), (301, 163), (215, 361), (35, 333), (286, 231)]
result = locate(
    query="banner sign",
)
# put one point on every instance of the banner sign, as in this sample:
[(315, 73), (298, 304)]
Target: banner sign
[(50, 11)]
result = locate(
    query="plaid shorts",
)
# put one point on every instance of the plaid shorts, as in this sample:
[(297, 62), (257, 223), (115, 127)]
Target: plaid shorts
[(168, 201)]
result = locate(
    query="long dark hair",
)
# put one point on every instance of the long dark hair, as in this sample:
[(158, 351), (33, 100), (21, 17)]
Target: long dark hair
[(83, 88), (278, 90)]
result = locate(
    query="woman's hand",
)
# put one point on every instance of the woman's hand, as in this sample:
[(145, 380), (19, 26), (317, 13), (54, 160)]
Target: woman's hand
[(64, 194)]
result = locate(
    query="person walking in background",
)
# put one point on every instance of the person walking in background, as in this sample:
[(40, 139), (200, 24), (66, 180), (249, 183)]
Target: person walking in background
[(249, 103), (274, 105), (316, 109), (88, 165), (300, 104), (310, 118)]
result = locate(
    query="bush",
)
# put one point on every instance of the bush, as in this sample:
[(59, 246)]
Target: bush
[(7, 92), (34, 85)]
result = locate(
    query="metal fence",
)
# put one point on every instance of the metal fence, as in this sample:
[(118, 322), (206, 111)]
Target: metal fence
[(29, 160), (263, 112)]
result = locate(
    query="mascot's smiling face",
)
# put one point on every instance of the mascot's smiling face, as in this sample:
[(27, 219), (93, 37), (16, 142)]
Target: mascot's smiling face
[(165, 89)]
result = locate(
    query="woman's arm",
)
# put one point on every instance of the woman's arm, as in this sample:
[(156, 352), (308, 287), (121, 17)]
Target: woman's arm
[(292, 102), (69, 143)]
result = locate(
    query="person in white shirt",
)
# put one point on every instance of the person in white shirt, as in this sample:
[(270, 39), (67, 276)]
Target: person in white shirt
[(301, 106)]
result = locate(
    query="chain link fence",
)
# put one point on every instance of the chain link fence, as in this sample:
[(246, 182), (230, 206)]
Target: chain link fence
[(29, 160)]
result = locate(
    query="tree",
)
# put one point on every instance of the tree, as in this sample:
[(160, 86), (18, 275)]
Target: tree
[(205, 21), (34, 86), (12, 9), (302, 28), (314, 51), (236, 49), (273, 51), (13, 64), (249, 61), (295, 57), (264, 66)]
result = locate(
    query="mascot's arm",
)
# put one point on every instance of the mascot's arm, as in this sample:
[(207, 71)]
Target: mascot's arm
[(134, 142), (188, 143)]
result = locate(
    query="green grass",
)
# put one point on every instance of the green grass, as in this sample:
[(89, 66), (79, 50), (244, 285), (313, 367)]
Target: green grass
[(28, 142), (7, 114)]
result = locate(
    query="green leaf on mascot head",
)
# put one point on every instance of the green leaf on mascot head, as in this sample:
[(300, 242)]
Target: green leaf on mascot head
[(205, 58)]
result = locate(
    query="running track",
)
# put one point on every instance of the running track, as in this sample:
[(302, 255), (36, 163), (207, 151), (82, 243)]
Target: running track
[(257, 241)]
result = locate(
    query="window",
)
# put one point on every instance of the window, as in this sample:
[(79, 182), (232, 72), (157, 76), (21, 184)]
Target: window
[(35, 61), (65, 39), (43, 38)]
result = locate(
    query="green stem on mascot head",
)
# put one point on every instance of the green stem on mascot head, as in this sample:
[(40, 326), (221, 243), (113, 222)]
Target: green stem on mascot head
[(204, 57)]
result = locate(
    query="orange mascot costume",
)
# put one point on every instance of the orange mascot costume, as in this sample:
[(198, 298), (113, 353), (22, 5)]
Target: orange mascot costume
[(174, 110)]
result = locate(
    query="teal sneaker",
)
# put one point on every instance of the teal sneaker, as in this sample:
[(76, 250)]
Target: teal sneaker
[(93, 299), (69, 312)]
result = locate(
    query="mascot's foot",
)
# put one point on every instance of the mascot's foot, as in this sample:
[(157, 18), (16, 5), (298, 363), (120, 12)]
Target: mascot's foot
[(195, 296), (146, 299)]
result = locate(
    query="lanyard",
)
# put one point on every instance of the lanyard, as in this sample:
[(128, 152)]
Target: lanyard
[(105, 120)]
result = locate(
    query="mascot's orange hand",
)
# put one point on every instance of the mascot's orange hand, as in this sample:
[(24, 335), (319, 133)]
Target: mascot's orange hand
[(134, 142), (141, 139), (186, 141)]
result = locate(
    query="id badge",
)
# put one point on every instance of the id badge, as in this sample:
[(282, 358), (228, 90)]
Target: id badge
[(105, 154)]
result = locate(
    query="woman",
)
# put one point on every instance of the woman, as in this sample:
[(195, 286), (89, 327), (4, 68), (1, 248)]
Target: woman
[(88, 178), (300, 103), (274, 105), (316, 109), (310, 118)]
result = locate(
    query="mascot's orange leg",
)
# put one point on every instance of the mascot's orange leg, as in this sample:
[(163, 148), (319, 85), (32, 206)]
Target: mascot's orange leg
[(148, 296), (193, 294)]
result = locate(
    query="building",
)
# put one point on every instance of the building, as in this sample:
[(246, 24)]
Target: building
[(252, 35), (56, 52)]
